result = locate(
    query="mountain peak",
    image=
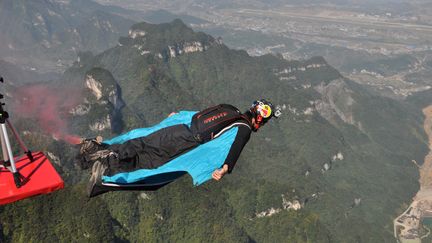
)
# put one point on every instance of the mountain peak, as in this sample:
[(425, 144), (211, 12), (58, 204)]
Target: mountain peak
[(176, 26), (168, 39)]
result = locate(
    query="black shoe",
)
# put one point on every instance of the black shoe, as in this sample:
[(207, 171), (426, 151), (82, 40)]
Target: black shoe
[(89, 146), (94, 186), (104, 155)]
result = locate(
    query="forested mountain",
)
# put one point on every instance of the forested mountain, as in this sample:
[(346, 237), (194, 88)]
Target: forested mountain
[(336, 167), (46, 35)]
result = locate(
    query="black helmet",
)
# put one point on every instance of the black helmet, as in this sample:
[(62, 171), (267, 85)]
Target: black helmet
[(263, 110)]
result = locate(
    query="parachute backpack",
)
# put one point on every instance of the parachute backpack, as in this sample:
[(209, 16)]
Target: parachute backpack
[(23, 176), (214, 118)]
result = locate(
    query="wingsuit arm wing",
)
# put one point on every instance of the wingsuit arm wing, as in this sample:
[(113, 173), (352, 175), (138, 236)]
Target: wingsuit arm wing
[(240, 141)]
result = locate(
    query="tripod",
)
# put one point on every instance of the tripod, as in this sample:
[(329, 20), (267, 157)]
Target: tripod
[(8, 158)]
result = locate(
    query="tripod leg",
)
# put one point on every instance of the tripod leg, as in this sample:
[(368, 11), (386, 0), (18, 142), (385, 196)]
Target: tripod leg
[(18, 178), (8, 147), (4, 149), (18, 138)]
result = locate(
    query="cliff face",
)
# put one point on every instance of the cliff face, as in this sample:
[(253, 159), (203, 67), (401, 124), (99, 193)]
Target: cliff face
[(102, 107), (336, 103), (177, 40)]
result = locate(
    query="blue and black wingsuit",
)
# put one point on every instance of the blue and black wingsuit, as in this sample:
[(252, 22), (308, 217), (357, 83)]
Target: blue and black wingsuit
[(199, 162)]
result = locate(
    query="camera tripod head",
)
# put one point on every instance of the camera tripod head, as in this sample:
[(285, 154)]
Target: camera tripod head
[(1, 81), (3, 114)]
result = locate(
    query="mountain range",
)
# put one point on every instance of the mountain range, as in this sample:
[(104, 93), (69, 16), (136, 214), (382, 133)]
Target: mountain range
[(336, 167), (46, 35)]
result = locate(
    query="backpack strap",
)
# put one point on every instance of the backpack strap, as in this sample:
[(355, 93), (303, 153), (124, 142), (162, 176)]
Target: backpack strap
[(239, 123)]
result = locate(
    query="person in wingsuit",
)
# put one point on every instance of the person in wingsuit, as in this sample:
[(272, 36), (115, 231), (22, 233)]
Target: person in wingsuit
[(205, 144)]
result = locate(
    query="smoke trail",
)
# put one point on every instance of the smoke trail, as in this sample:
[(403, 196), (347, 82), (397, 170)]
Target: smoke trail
[(50, 107)]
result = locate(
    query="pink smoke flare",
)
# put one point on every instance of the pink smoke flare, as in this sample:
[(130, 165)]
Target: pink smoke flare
[(50, 107)]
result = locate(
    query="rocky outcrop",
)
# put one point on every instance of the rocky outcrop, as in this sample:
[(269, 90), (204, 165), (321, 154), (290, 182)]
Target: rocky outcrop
[(186, 47), (102, 107), (136, 33), (94, 85), (81, 109), (53, 158), (338, 156), (177, 49), (286, 205), (101, 125), (168, 40), (289, 73), (336, 102)]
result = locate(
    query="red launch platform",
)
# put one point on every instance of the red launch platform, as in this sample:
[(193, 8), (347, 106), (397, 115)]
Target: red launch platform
[(39, 177)]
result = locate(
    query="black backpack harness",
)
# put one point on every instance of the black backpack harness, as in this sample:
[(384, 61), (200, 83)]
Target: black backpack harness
[(212, 122)]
